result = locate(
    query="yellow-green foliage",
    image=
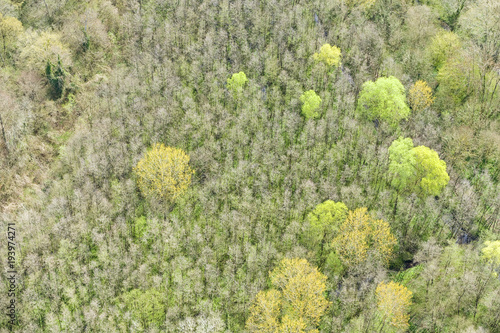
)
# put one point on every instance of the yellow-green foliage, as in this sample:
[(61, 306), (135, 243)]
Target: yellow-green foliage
[(491, 252), (311, 102), (361, 236), (298, 291), (330, 55), (147, 307), (442, 46), (237, 81), (10, 29), (163, 173), (38, 49), (420, 96), (393, 303)]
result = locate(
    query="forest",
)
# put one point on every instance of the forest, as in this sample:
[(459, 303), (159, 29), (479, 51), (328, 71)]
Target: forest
[(215, 166)]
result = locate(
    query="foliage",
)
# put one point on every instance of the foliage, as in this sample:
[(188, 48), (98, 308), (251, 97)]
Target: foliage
[(37, 49), (297, 303), (442, 47), (56, 75), (431, 171), (361, 237), (324, 222), (384, 100), (330, 55), (236, 82), (163, 173), (416, 168), (491, 252), (393, 302), (10, 29), (420, 96), (145, 306), (310, 104)]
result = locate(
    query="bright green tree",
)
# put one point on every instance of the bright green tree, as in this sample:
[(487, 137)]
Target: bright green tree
[(311, 103), (330, 55), (324, 222), (416, 168), (384, 100), (236, 82)]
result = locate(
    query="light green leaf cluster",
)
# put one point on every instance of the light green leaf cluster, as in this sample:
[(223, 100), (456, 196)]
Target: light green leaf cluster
[(416, 167), (326, 219), (237, 81), (491, 252), (311, 102), (442, 46), (38, 49), (145, 306), (330, 55), (384, 99)]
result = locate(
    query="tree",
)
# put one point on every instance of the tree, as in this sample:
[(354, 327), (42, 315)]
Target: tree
[(416, 168), (361, 237), (402, 163), (56, 75), (431, 171), (236, 82), (384, 100), (145, 306), (330, 55), (37, 49), (393, 303), (324, 222), (10, 29), (491, 252), (295, 304), (420, 96), (310, 105), (163, 173), (442, 46)]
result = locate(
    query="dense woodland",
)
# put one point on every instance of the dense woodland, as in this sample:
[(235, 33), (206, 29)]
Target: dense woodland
[(341, 159)]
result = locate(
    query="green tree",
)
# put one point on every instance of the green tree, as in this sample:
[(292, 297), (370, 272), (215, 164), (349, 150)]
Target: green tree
[(442, 46), (10, 29), (324, 222), (56, 75), (384, 99), (237, 82), (416, 168), (145, 306), (311, 103)]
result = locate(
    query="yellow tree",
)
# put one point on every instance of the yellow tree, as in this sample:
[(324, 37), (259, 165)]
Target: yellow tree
[(163, 173), (297, 302), (10, 29), (361, 236), (330, 55), (393, 303), (420, 96)]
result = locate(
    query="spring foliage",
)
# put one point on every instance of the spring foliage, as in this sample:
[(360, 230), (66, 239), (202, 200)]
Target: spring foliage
[(491, 252), (420, 96), (361, 237), (311, 102), (10, 29), (237, 82), (418, 169), (163, 173), (297, 300), (329, 55), (393, 303), (384, 99)]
